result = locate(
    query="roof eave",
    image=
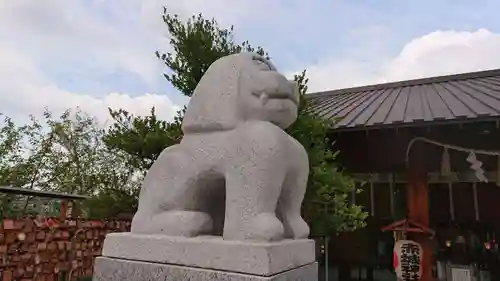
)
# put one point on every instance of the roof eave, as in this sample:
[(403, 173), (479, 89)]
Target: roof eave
[(411, 82), (422, 124)]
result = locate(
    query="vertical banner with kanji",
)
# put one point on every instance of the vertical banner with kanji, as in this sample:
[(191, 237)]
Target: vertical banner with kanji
[(407, 260)]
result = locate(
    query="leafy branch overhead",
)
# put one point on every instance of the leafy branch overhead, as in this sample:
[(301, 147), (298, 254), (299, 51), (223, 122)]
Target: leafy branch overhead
[(195, 44)]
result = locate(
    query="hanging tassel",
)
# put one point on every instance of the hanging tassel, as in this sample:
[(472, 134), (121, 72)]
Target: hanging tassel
[(445, 163), (498, 171)]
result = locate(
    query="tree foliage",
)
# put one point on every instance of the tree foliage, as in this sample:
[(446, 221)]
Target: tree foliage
[(64, 154), (24, 157), (143, 138), (195, 45)]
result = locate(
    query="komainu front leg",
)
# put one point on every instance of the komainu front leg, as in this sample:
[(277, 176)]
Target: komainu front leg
[(251, 197), (254, 179), (292, 195)]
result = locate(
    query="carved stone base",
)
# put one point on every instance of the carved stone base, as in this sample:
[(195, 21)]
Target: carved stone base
[(110, 269), (133, 257)]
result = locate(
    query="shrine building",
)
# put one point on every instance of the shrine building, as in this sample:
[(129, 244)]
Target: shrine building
[(427, 151)]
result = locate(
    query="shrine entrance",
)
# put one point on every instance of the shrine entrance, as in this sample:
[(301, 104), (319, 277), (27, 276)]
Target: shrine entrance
[(447, 181), (440, 197)]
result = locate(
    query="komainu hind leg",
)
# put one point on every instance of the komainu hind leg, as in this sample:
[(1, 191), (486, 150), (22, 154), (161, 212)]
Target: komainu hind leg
[(176, 223), (170, 199)]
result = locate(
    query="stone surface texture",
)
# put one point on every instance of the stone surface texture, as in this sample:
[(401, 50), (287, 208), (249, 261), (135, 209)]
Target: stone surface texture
[(109, 269), (258, 258), (236, 173), (224, 203)]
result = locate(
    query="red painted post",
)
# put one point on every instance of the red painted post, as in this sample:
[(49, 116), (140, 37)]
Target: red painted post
[(418, 204), (64, 209)]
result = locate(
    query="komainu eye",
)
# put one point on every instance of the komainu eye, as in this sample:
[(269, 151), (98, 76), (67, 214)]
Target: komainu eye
[(262, 64)]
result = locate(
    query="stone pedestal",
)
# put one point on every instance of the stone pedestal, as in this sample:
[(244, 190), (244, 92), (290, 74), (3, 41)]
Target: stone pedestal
[(131, 257)]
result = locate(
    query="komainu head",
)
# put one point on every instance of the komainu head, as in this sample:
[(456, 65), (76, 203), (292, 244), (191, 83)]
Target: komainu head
[(238, 88)]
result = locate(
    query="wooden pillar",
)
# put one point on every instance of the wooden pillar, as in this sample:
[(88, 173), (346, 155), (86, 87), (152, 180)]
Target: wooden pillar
[(418, 204)]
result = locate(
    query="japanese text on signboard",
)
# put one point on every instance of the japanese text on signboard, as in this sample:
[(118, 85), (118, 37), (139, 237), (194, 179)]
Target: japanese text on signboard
[(410, 262), (407, 263)]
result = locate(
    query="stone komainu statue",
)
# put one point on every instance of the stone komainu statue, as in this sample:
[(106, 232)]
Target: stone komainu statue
[(235, 173)]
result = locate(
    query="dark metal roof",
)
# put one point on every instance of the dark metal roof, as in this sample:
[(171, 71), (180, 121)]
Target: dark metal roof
[(460, 97), (39, 193)]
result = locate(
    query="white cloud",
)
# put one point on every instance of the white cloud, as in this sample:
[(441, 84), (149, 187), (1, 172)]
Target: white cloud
[(72, 35), (94, 36), (87, 36), (24, 90), (91, 36), (79, 32), (434, 54), (226, 12)]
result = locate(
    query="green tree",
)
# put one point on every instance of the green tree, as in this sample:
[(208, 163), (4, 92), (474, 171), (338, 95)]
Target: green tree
[(24, 152), (10, 148), (65, 154), (10, 153), (112, 201), (196, 44), (81, 163), (143, 138)]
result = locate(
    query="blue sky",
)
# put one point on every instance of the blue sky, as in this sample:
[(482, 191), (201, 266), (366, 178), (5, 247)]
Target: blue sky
[(94, 53)]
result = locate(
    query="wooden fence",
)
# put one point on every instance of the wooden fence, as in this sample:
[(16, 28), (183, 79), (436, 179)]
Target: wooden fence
[(35, 249)]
